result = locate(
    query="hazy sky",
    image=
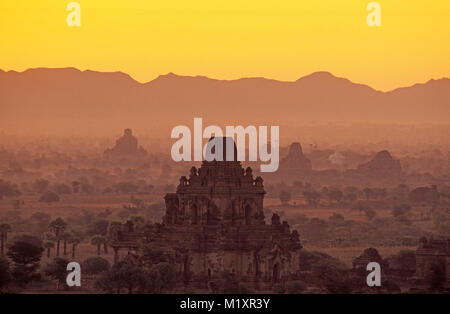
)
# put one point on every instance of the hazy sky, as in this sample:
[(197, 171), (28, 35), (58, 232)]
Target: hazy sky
[(234, 38)]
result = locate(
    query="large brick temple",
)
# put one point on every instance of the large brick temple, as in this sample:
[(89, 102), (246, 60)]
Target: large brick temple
[(433, 253), (215, 223)]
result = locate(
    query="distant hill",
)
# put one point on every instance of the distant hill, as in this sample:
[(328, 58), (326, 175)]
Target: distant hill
[(66, 98)]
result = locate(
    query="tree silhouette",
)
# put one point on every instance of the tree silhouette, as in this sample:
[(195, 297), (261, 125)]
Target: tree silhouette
[(285, 196), (62, 188), (359, 206), (335, 195), (76, 186), (123, 275), (368, 192), (98, 240), (8, 189), (4, 229), (57, 270), (400, 211), (370, 213), (131, 277), (57, 227), (49, 197), (95, 265), (5, 274), (41, 185), (65, 237), (74, 241), (48, 245), (26, 255), (312, 197)]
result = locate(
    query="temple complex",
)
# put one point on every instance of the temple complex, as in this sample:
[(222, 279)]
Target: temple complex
[(433, 255), (296, 160), (215, 223), (294, 166), (126, 146), (382, 165)]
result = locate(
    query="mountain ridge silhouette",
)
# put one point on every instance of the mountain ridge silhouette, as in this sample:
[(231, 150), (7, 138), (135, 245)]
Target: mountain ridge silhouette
[(60, 96)]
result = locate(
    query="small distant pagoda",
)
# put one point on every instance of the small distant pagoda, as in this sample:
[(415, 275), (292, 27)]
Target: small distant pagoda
[(215, 223), (126, 146), (381, 165), (296, 160)]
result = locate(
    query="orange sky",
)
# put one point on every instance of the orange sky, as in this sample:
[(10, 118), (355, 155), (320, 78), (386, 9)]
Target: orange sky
[(230, 39)]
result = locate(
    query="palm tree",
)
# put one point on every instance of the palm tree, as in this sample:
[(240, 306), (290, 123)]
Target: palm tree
[(49, 245), (98, 240), (49, 242), (4, 229), (74, 241), (57, 227), (65, 237)]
